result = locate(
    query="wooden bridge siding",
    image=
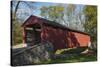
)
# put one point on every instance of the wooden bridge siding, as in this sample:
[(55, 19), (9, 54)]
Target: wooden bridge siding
[(56, 36), (63, 38)]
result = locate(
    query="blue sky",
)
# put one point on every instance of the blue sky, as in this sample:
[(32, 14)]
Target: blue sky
[(24, 8), (38, 5), (41, 4)]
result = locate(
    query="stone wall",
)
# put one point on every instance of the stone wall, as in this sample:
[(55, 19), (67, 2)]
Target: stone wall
[(32, 55)]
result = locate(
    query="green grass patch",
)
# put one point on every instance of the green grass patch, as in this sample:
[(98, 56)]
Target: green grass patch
[(70, 50), (74, 57)]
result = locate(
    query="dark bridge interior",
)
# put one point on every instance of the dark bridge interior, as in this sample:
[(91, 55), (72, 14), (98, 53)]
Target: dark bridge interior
[(33, 35)]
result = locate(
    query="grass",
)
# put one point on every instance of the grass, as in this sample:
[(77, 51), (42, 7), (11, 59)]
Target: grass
[(73, 58), (70, 55)]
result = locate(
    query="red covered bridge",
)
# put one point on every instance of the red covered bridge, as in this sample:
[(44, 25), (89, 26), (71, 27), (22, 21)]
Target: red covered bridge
[(38, 30)]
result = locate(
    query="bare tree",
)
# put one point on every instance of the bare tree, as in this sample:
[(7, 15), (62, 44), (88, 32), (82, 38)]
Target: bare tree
[(15, 13)]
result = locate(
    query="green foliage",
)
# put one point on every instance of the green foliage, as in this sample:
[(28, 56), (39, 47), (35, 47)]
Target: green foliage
[(70, 11), (64, 14), (91, 21), (52, 12), (16, 32), (17, 20)]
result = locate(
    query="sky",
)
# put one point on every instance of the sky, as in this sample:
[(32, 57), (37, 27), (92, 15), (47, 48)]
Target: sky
[(39, 5), (24, 9)]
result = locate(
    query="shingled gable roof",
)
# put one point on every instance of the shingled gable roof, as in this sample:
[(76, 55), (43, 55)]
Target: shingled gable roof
[(34, 19)]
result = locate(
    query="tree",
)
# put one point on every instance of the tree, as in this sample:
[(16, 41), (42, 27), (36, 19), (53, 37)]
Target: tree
[(16, 36), (16, 22), (67, 15), (54, 13), (80, 17), (91, 22), (44, 12), (70, 14)]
